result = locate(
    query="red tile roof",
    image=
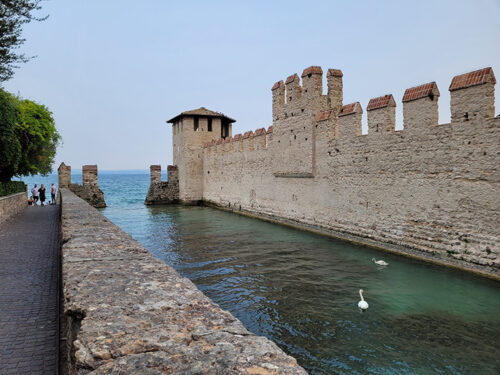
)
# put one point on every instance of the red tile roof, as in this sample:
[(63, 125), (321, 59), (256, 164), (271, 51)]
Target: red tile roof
[(381, 102), (477, 77), (277, 85), (349, 109), (335, 72), (312, 70), (419, 92), (322, 116), (269, 129), (291, 78), (260, 131), (247, 134)]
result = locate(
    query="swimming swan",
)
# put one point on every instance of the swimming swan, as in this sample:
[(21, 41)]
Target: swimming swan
[(363, 305), (380, 262)]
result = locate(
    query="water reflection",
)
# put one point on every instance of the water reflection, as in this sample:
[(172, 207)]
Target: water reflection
[(301, 291)]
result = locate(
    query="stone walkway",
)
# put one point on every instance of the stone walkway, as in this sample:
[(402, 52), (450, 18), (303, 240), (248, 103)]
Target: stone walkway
[(29, 274)]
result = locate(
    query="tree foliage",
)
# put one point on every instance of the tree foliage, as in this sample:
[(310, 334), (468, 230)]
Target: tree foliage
[(28, 137), (10, 147), (13, 15), (38, 137)]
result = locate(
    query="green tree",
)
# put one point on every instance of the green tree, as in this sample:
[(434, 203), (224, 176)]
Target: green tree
[(10, 147), (13, 15), (38, 137)]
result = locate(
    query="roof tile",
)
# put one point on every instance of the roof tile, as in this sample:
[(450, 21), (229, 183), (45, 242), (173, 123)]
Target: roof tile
[(260, 131), (312, 70), (381, 102), (248, 134), (349, 109), (237, 137), (277, 85), (269, 129), (202, 111), (335, 72), (419, 92), (477, 77), (323, 116), (291, 78)]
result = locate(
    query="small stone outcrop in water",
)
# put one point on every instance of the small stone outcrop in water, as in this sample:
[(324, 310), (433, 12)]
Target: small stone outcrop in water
[(163, 192), (89, 190), (127, 312)]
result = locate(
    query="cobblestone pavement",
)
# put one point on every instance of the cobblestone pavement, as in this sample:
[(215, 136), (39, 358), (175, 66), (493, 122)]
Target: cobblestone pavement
[(29, 272)]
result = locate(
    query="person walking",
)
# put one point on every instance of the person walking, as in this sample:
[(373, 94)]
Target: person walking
[(53, 191), (34, 193), (41, 191)]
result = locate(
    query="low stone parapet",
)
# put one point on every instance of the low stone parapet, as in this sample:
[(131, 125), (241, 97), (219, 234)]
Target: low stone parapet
[(127, 312), (11, 205)]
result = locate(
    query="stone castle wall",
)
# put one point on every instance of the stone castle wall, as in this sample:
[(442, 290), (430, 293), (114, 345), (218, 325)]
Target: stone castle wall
[(126, 312), (89, 190), (163, 192), (430, 190)]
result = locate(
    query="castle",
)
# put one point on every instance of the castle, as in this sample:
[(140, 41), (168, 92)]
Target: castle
[(429, 190)]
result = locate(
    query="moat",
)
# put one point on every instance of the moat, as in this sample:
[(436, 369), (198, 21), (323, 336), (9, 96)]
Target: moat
[(301, 290)]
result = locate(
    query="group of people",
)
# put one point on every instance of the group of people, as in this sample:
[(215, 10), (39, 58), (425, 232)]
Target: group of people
[(38, 193)]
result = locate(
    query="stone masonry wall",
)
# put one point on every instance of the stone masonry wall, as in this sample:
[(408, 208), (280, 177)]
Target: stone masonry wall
[(11, 205), (430, 190), (163, 192), (89, 190), (127, 312)]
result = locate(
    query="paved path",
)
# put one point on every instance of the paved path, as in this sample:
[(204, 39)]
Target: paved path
[(29, 273)]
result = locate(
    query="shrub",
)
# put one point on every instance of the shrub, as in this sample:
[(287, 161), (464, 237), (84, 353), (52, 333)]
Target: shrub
[(11, 187)]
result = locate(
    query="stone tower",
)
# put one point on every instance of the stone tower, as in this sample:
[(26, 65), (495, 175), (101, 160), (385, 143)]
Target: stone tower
[(190, 130)]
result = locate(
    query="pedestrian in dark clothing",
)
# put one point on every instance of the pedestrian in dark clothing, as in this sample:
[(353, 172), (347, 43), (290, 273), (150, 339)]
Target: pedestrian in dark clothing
[(41, 191)]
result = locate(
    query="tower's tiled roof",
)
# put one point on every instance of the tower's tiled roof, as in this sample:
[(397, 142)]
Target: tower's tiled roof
[(419, 92), (477, 77), (200, 112)]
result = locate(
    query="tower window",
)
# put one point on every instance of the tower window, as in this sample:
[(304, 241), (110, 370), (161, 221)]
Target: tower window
[(209, 122), (196, 125)]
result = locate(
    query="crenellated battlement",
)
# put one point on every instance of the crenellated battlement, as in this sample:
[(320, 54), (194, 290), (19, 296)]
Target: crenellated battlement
[(89, 189), (430, 188), (249, 141), (305, 118), (290, 98)]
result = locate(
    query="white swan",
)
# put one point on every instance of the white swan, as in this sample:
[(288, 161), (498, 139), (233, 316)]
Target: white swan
[(363, 305), (380, 262)]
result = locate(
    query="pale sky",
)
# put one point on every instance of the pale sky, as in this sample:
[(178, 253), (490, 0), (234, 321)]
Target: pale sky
[(112, 72)]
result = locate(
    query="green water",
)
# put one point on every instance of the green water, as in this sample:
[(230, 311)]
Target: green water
[(301, 290)]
